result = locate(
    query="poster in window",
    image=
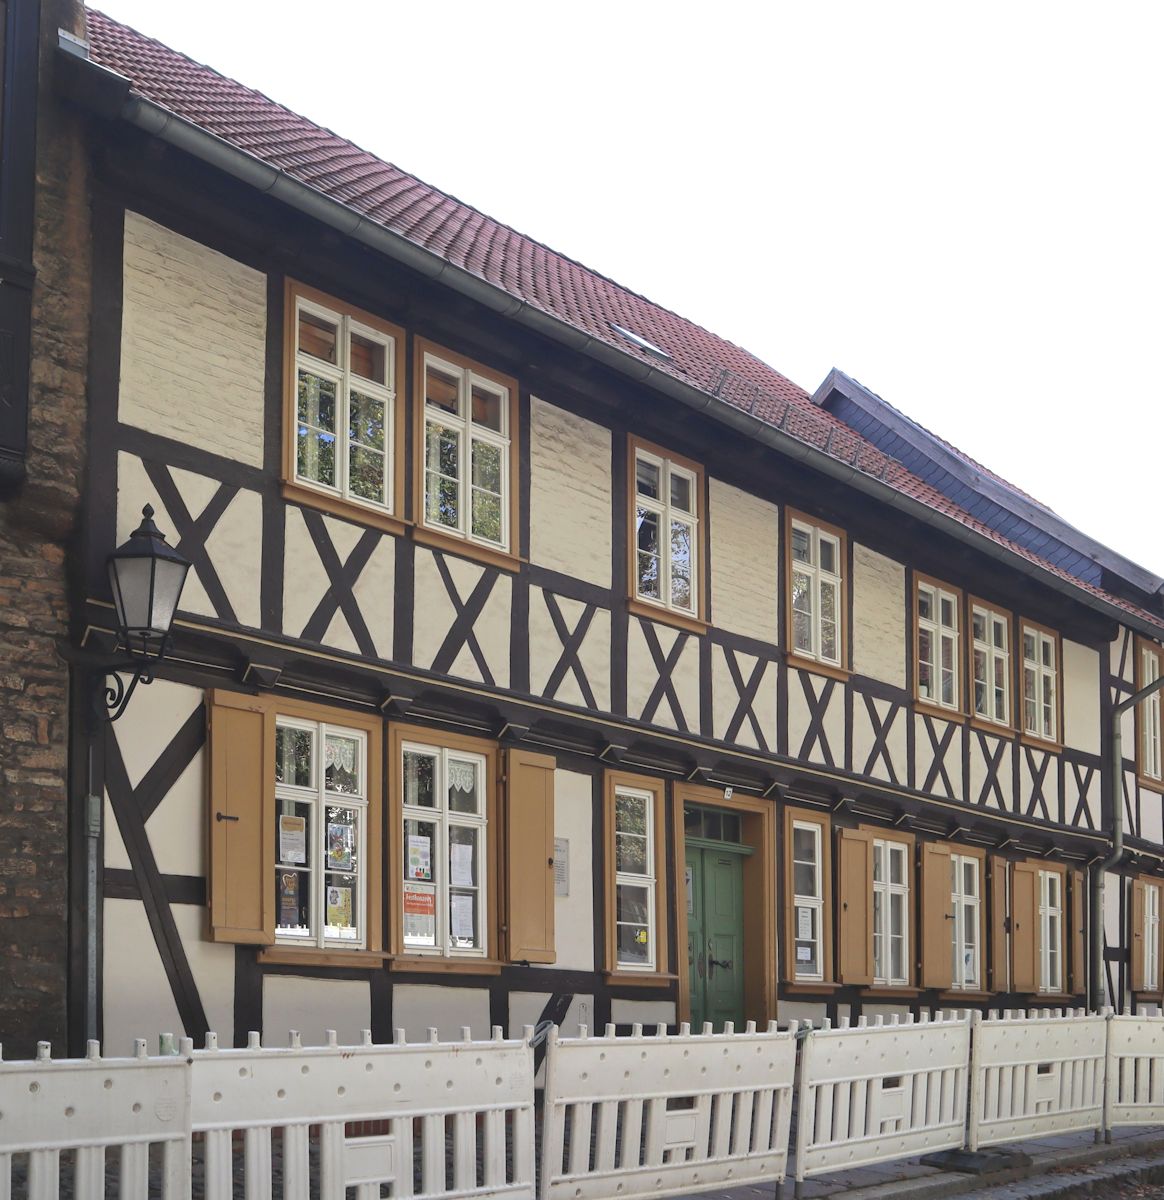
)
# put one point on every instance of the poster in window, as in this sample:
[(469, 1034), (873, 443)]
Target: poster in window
[(464, 927), (293, 839), (419, 916), (461, 866), (340, 839), (419, 856), (803, 924), (339, 907), (289, 899)]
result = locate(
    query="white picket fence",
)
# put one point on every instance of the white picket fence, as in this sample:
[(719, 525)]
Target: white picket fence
[(639, 1116), (621, 1117)]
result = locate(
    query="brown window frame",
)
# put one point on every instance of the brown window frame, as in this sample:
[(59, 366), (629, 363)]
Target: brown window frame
[(626, 975), (989, 724), (842, 669), (927, 704), (507, 557), (808, 816), (961, 850), (1028, 738), (658, 610), (1153, 782), (312, 495), (1138, 940)]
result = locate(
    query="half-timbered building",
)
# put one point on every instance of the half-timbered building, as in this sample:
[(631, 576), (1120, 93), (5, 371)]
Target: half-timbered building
[(544, 656)]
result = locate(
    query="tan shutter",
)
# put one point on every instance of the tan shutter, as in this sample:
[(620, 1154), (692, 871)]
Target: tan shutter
[(1078, 977), (242, 808), (530, 852), (1024, 925), (1137, 935), (855, 893), (937, 946), (999, 956)]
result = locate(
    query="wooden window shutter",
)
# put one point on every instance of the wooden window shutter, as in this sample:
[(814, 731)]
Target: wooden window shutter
[(1078, 978), (1024, 926), (530, 856), (937, 917), (242, 808), (999, 956), (855, 896), (1137, 935)]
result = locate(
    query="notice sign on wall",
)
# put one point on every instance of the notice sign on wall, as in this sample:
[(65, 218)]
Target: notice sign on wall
[(419, 916), (561, 866)]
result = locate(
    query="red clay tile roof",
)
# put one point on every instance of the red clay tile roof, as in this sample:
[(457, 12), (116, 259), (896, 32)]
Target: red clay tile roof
[(516, 264)]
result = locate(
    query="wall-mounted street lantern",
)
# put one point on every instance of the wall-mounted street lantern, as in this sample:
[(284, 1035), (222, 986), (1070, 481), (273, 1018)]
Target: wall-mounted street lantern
[(146, 576)]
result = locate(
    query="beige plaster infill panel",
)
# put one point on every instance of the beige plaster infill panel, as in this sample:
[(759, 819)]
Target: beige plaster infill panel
[(924, 756), (526, 1008), (642, 675), (799, 718), (193, 343), (574, 914), (1049, 786), (879, 614), (570, 494), (642, 1012), (419, 1007), (212, 965), (725, 697), (864, 741), (312, 1007), (978, 771), (137, 1001), (1081, 697), (745, 557), (545, 650)]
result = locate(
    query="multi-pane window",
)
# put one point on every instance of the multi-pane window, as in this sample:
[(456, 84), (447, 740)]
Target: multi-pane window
[(345, 373), (444, 897), (937, 645), (634, 880), (816, 592), (807, 900), (965, 896), (666, 525), (466, 453), (1149, 715), (991, 664), (1050, 931), (890, 912), (1151, 937), (321, 804), (1040, 682)]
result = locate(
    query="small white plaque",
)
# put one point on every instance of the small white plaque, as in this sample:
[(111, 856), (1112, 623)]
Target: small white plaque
[(561, 866), (804, 924)]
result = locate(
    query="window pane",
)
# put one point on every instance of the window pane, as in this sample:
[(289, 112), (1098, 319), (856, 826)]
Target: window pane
[(1029, 645), (999, 634), (419, 915), (828, 555), (896, 864), (487, 491), (925, 604), (804, 879), (487, 516), (648, 554), (681, 492), (441, 389), (681, 565), (1048, 648), (366, 474), (978, 624), (632, 906), (419, 851), (367, 358), (294, 837), (487, 406), (803, 845), (340, 900), (897, 963), (342, 842), (442, 462), (647, 478), (801, 545), (463, 868), (464, 786), (630, 814), (807, 958), (341, 764), (630, 854), (948, 618), (293, 750), (419, 779), (317, 337), (293, 903), (366, 420), (315, 450), (463, 919)]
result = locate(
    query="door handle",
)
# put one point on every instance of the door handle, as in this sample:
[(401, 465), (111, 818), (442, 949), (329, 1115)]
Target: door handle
[(725, 963), (224, 817)]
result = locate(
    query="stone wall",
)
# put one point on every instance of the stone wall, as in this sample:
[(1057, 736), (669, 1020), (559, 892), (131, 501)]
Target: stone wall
[(37, 524)]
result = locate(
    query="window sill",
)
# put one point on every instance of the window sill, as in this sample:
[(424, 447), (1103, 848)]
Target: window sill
[(438, 540), (436, 965), (1038, 743), (817, 668), (810, 988), (295, 956), (1052, 997), (1153, 785), (655, 979), (983, 725), (665, 616), (954, 715), (347, 510), (872, 991), (955, 994)]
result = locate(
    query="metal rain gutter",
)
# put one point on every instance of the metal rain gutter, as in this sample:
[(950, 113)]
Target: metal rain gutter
[(192, 139)]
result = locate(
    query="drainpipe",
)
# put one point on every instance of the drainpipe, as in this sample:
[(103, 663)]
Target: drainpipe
[(1116, 791)]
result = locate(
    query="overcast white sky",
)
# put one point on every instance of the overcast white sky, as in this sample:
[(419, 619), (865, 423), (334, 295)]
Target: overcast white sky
[(959, 205)]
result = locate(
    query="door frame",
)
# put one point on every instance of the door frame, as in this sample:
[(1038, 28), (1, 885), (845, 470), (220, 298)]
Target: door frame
[(758, 830)]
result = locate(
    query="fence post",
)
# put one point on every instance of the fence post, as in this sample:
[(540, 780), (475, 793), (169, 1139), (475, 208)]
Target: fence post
[(553, 1129), (975, 1104), (803, 1119), (1109, 1076)]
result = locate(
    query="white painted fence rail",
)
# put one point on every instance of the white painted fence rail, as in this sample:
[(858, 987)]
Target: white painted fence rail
[(1036, 1074), (1135, 1071), (434, 1120), (875, 1092), (638, 1116)]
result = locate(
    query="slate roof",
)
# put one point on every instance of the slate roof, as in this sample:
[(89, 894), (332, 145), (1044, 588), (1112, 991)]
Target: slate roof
[(510, 261)]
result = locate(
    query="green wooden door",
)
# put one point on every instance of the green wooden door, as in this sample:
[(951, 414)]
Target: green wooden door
[(715, 935)]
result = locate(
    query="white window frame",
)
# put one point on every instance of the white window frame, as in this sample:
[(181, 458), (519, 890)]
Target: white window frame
[(1151, 933), (884, 850), (469, 433), (942, 636), (819, 580), (340, 374), (648, 881), (318, 799), (815, 902), (993, 657), (1050, 932), (967, 914), (1045, 682), (667, 513), (1151, 765), (441, 816)]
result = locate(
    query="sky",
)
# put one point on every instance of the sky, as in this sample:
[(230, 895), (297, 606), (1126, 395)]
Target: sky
[(958, 205)]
